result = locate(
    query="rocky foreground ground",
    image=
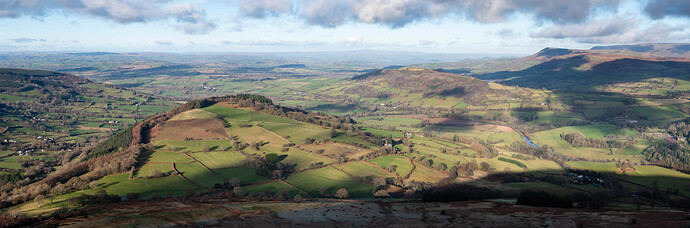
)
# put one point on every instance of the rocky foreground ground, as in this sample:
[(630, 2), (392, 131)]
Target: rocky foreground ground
[(218, 213)]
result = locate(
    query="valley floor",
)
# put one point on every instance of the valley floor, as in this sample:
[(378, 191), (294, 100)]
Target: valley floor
[(353, 213)]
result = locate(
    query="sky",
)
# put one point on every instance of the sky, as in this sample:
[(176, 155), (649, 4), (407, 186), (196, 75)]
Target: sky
[(510, 27)]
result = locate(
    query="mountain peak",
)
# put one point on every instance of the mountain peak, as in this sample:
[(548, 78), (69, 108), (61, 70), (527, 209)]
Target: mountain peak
[(553, 52)]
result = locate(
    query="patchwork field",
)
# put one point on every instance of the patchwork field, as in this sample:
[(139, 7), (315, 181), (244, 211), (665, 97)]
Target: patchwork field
[(337, 149), (121, 185), (245, 175), (198, 175), (297, 133), (402, 164), (304, 160), (329, 180), (255, 134), (363, 169), (219, 160), (425, 174), (193, 146), (169, 157)]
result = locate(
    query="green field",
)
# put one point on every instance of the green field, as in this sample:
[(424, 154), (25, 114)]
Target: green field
[(329, 179), (245, 175), (362, 169), (246, 115), (665, 178), (604, 167), (275, 186), (198, 175), (384, 133), (121, 185), (10, 165), (194, 114), (255, 134), (297, 133), (552, 138), (425, 174), (219, 160), (403, 164), (163, 156), (192, 146), (349, 139), (303, 160), (660, 113), (149, 169)]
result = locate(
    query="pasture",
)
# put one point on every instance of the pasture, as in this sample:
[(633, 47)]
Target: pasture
[(198, 175), (362, 169), (193, 146), (337, 149), (219, 160), (194, 114), (403, 165), (330, 180), (297, 133), (164, 156), (120, 184), (425, 174), (245, 175)]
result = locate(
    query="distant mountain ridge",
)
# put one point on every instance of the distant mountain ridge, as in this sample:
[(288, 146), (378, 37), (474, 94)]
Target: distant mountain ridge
[(426, 82), (587, 70), (680, 50)]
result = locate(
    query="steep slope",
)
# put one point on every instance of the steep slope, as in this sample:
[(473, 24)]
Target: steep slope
[(570, 69)]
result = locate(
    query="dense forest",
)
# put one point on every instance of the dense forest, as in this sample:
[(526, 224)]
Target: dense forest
[(669, 154)]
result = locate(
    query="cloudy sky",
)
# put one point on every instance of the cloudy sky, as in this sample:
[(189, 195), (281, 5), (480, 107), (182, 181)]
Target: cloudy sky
[(447, 26)]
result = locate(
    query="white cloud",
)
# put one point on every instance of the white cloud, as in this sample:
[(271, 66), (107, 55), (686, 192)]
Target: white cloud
[(28, 40), (190, 19), (613, 31), (591, 29), (398, 13), (263, 8)]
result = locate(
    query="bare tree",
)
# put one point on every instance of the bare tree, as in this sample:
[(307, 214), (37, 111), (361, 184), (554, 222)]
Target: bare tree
[(342, 193)]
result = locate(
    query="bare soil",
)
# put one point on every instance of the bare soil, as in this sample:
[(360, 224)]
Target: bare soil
[(195, 129)]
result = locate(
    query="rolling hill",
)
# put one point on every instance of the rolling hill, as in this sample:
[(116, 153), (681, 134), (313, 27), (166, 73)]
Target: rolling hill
[(40, 106), (243, 147), (664, 50), (409, 133), (600, 68), (416, 88), (48, 119)]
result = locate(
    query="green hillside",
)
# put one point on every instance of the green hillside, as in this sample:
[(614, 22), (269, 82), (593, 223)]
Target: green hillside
[(48, 119), (266, 150)]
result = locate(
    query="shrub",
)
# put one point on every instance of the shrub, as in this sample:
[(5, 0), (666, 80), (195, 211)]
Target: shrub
[(512, 161), (342, 193), (381, 193)]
